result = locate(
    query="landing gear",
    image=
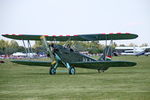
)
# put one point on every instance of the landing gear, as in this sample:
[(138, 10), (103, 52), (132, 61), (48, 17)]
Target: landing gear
[(102, 69), (99, 71), (52, 71), (72, 71), (53, 68)]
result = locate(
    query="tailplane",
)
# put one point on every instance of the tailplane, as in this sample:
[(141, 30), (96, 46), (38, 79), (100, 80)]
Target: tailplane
[(107, 54)]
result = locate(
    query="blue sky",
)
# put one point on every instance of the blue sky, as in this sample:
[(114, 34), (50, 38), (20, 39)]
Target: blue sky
[(76, 17)]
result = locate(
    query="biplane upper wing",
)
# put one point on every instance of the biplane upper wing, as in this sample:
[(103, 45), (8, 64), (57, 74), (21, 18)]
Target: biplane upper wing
[(85, 37)]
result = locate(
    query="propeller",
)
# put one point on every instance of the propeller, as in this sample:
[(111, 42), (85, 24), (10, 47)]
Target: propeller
[(49, 50)]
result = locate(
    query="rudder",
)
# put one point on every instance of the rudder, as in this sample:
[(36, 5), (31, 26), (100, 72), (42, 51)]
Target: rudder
[(107, 54)]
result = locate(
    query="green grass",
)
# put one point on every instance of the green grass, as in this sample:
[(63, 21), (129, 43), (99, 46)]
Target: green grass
[(20, 82)]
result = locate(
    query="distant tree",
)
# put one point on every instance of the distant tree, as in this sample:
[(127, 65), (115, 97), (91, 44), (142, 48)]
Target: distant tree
[(3, 46), (9, 47), (122, 45), (91, 46), (95, 47), (21, 49), (39, 49), (9, 50), (132, 45), (1, 52), (144, 45), (13, 44), (37, 44), (95, 51)]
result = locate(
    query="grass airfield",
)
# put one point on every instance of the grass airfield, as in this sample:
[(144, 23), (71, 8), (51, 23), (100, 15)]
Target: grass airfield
[(20, 82)]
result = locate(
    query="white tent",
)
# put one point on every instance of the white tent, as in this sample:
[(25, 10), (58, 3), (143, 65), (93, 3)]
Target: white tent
[(31, 54), (19, 54)]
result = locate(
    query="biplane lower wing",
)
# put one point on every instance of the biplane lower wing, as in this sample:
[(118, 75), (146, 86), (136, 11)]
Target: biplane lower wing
[(89, 65), (99, 64), (32, 63), (35, 63), (83, 37)]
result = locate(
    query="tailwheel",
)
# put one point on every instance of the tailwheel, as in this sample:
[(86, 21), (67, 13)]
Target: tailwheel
[(72, 71), (102, 69), (52, 71), (99, 70)]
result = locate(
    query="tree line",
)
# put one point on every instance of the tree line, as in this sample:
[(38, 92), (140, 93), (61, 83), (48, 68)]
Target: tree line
[(93, 47), (9, 47)]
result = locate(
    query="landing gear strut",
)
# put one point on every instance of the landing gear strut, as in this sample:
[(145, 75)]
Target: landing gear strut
[(99, 70)]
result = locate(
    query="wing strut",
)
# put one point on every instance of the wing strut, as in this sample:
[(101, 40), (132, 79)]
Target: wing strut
[(28, 50), (106, 47), (25, 47)]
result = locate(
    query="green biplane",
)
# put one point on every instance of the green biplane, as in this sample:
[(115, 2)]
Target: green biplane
[(65, 56)]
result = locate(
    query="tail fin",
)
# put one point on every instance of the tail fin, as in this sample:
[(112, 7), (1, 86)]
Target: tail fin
[(107, 54)]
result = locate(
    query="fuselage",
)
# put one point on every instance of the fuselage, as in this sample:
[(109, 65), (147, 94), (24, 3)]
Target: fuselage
[(69, 55), (133, 52)]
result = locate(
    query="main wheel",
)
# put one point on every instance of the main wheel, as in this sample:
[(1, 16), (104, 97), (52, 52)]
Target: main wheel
[(72, 71), (52, 71)]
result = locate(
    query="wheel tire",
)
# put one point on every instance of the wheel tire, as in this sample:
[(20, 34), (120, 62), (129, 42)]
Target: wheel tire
[(52, 71), (99, 71), (72, 71)]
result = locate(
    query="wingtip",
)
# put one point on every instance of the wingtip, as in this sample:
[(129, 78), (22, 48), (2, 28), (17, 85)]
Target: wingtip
[(135, 36)]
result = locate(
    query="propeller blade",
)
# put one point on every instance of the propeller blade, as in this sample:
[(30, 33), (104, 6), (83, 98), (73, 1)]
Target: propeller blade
[(49, 49)]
